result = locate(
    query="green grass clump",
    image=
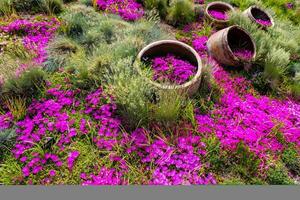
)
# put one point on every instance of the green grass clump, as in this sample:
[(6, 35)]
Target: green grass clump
[(278, 175), (6, 7), (38, 6), (232, 180), (130, 91), (167, 110), (8, 66), (175, 12), (291, 159), (14, 54), (10, 170), (59, 52), (29, 84), (6, 136), (181, 12), (87, 2), (160, 5)]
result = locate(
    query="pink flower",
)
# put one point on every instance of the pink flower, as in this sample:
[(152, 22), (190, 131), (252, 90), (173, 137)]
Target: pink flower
[(172, 69), (218, 14), (71, 158), (128, 9), (52, 173), (26, 171)]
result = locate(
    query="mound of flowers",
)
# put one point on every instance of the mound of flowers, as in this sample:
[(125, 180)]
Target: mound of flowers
[(264, 125), (46, 140), (218, 14), (264, 22), (172, 69), (129, 10), (51, 125), (35, 32), (243, 54), (199, 44), (175, 164)]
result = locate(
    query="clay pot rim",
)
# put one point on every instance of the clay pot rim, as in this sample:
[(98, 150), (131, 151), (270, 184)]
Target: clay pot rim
[(218, 3), (264, 11), (164, 86)]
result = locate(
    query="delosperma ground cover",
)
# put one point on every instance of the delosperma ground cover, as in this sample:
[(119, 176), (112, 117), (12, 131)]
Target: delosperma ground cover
[(170, 69), (75, 110), (218, 14)]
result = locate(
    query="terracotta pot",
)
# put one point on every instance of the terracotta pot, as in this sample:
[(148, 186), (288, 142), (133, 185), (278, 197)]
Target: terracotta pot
[(255, 12), (179, 49), (220, 6), (222, 44)]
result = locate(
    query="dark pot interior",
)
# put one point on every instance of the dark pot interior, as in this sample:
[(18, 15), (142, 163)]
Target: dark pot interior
[(238, 39), (260, 14), (219, 7)]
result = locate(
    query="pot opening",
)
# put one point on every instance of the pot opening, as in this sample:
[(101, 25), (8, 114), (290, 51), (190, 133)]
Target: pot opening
[(261, 17), (219, 11), (241, 44), (164, 49), (171, 63)]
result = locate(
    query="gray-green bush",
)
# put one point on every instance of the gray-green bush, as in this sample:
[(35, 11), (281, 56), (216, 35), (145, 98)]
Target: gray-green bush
[(6, 7), (27, 85), (181, 12)]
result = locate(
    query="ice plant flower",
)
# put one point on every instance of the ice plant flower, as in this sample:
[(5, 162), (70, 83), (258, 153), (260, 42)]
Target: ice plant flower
[(35, 36), (245, 117), (6, 121), (199, 44), (199, 1), (243, 54), (172, 69), (289, 5), (49, 123), (174, 164), (129, 10), (264, 22), (218, 14), (104, 177), (71, 158)]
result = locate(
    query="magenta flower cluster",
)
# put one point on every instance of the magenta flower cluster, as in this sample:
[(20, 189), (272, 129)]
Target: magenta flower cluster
[(243, 54), (199, 44), (199, 1), (6, 121), (172, 69), (103, 112), (173, 164), (289, 5), (36, 35), (264, 22), (71, 158), (104, 177), (242, 116), (129, 10), (218, 14), (51, 124)]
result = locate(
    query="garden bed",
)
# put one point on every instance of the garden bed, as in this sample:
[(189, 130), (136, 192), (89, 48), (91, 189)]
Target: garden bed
[(99, 93)]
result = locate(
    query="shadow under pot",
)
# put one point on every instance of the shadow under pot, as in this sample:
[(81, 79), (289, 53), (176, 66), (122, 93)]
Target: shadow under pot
[(175, 66), (232, 46), (259, 16), (218, 13)]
